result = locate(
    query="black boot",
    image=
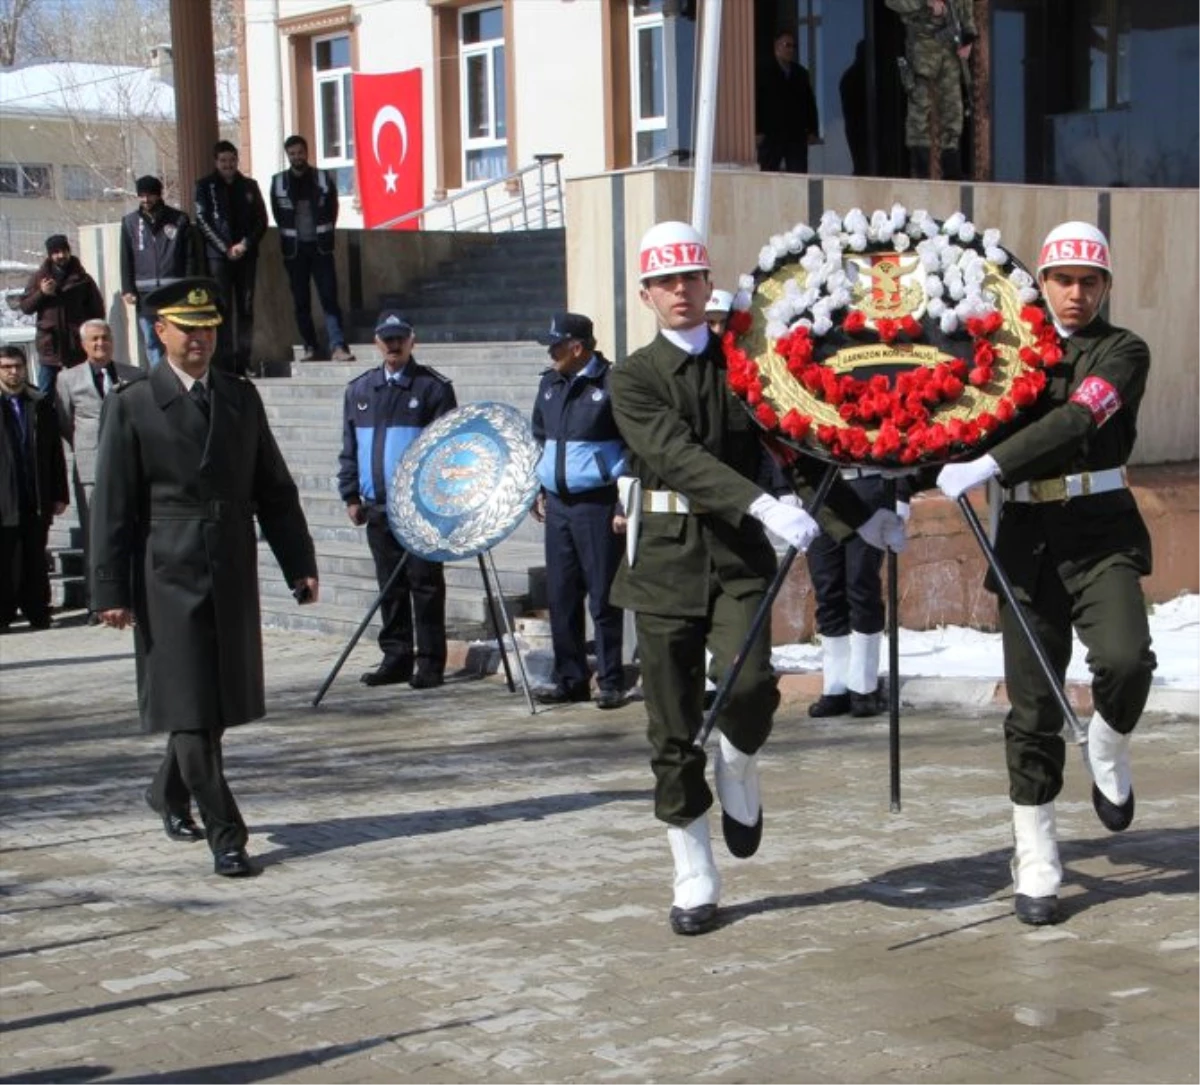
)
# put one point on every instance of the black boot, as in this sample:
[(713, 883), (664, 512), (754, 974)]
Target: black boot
[(830, 704), (951, 165), (918, 162)]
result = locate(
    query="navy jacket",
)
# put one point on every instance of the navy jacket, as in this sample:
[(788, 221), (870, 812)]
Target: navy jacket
[(380, 421), (573, 422)]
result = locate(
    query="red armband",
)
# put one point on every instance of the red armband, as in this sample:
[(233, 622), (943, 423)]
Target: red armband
[(1100, 398)]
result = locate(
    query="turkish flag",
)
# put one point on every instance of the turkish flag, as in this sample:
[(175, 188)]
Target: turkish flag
[(388, 144)]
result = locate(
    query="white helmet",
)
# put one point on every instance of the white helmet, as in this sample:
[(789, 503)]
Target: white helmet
[(671, 247), (721, 301), (1074, 243)]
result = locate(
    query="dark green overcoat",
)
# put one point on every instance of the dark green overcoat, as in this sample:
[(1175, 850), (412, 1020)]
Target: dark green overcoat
[(173, 538)]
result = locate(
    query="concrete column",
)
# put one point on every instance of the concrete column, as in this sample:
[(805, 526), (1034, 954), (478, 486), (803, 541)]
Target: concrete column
[(195, 92)]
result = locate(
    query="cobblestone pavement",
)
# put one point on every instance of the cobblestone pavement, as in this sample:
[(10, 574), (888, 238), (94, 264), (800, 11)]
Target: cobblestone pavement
[(457, 891)]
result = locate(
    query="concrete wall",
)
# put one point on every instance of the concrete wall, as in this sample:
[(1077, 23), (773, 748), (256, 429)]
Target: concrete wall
[(607, 215)]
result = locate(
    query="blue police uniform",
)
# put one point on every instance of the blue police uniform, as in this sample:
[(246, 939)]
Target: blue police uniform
[(582, 457), (383, 414)]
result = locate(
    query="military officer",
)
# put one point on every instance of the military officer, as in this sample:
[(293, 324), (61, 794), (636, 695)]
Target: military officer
[(1075, 547), (939, 35), (185, 464), (700, 562)]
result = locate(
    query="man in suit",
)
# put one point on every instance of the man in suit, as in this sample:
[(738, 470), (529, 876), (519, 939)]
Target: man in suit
[(186, 463), (33, 490), (785, 110), (80, 394)]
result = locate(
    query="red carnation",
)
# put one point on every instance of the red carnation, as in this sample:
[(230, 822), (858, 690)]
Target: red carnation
[(754, 393), (888, 329), (980, 375), (1033, 316), (764, 413), (985, 353), (739, 321), (1005, 411), (795, 424), (854, 323), (910, 326)]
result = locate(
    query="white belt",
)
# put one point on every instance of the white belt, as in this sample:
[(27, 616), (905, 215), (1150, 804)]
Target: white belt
[(666, 501), (1069, 486), (859, 472)]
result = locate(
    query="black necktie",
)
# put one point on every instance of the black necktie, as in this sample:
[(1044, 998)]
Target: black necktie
[(199, 396)]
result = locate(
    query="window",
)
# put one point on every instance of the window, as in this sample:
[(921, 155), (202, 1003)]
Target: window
[(32, 182), (91, 183), (809, 48), (1107, 35), (649, 72), (334, 108), (484, 94)]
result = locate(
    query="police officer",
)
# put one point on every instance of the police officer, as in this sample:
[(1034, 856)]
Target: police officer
[(699, 564), (1073, 543), (582, 458), (384, 411), (938, 38), (847, 582)]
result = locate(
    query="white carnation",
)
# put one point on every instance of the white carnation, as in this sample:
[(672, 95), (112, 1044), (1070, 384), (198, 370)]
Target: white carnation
[(812, 259), (898, 216), (766, 258), (746, 282), (966, 232), (996, 255), (822, 325), (855, 221), (935, 308), (948, 322), (934, 287), (858, 242), (776, 329), (901, 241), (741, 300), (953, 223), (1027, 294), (991, 238)]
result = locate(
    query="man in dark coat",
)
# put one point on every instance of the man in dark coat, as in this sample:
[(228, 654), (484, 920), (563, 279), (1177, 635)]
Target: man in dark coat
[(33, 490), (186, 462), (233, 219), (785, 110), (62, 296)]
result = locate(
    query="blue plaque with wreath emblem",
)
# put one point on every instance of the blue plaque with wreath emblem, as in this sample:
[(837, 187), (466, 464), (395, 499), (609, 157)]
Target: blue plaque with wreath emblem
[(465, 483)]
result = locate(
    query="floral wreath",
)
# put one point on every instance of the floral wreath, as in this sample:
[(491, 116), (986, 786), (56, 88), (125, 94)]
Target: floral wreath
[(943, 309)]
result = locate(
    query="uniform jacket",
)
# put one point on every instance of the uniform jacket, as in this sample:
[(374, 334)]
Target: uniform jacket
[(173, 537), (785, 107), (573, 422), (325, 211), (927, 35), (686, 431), (48, 478), (214, 200), (380, 421), (79, 413), (154, 250), (1086, 420), (60, 314)]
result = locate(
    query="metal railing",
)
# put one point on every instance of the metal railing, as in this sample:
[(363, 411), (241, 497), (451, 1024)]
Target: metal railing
[(517, 201)]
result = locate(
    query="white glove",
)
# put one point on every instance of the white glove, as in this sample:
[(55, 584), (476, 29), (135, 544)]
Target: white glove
[(884, 531), (955, 479), (792, 500), (793, 525), (903, 510)]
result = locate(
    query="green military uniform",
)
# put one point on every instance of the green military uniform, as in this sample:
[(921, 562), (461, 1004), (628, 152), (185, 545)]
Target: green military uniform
[(931, 53), (1078, 560), (698, 577)]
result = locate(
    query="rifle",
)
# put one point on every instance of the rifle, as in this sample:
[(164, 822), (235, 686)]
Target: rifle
[(959, 38)]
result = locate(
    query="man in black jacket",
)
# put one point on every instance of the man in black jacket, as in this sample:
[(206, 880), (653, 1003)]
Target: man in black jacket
[(233, 219), (62, 296), (33, 490), (785, 110), (304, 202), (154, 252)]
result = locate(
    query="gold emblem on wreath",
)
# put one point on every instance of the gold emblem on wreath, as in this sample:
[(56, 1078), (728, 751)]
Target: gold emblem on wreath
[(888, 285)]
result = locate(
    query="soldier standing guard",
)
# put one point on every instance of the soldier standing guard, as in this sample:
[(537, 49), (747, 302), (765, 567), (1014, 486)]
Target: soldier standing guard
[(1073, 543), (699, 564), (938, 39)]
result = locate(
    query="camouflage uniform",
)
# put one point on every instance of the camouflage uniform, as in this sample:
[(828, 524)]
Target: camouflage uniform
[(930, 49)]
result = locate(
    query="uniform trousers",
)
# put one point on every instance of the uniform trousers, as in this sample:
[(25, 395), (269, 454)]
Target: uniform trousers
[(671, 649), (1105, 604), (582, 556), (310, 266), (235, 336), (847, 576), (194, 765), (419, 593)]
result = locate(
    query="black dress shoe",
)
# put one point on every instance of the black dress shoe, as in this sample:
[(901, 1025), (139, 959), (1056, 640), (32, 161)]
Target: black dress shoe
[(609, 698), (93, 618), (177, 825), (1116, 819), (234, 863), (741, 840), (425, 680), (863, 705), (830, 704), (1037, 911), (561, 695), (387, 674), (698, 920)]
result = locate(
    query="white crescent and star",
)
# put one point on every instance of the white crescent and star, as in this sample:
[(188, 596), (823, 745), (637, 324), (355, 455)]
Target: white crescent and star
[(389, 114)]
